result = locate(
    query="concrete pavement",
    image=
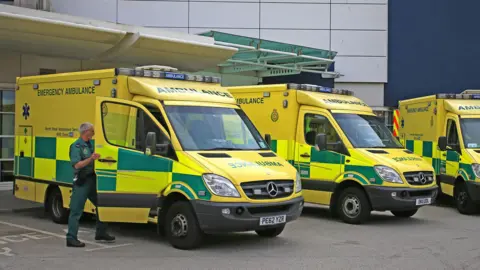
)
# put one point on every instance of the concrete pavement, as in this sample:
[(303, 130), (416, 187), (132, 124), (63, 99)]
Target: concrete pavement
[(8, 202), (438, 237)]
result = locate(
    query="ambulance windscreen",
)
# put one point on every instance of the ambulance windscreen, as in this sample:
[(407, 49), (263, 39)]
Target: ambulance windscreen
[(213, 128), (470, 130), (366, 131)]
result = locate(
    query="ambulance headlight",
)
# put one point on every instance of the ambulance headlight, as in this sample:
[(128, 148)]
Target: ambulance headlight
[(220, 185), (298, 183), (476, 169), (388, 174)]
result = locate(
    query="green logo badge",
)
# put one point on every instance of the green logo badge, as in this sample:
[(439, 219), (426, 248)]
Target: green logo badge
[(274, 115)]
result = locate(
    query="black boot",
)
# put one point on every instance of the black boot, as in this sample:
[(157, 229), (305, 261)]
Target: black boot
[(105, 238), (74, 243)]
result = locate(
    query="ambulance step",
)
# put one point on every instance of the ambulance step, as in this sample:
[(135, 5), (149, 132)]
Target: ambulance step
[(153, 220)]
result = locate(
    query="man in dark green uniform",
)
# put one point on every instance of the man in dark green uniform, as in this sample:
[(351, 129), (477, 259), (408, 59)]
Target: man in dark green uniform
[(82, 158)]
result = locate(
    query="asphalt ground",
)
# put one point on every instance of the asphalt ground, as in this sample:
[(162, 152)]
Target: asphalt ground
[(437, 237)]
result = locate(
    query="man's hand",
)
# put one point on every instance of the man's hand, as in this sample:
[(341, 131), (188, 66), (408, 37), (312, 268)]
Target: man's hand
[(87, 161)]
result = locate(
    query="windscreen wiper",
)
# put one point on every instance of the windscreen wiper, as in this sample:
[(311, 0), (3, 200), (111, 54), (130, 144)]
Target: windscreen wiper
[(222, 148)]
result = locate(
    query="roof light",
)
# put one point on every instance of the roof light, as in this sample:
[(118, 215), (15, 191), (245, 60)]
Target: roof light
[(157, 68), (458, 96), (162, 72), (317, 88)]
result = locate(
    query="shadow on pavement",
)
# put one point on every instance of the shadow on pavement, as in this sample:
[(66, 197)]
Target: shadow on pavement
[(386, 218)]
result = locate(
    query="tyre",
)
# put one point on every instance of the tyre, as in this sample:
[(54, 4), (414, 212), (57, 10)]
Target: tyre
[(353, 206), (58, 213), (463, 202), (270, 232), (404, 214), (181, 226)]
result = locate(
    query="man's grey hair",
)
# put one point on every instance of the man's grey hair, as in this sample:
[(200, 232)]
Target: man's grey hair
[(84, 127)]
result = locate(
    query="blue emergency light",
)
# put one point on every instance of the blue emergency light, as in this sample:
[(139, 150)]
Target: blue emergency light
[(174, 76), (324, 89)]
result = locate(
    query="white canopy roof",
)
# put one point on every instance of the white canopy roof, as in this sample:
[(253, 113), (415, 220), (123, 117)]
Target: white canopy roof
[(51, 34)]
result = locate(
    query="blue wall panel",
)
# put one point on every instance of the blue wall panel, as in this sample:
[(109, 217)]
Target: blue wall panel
[(433, 47)]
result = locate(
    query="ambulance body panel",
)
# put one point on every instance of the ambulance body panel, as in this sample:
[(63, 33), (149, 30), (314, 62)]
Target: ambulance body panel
[(359, 148), (168, 142), (444, 130)]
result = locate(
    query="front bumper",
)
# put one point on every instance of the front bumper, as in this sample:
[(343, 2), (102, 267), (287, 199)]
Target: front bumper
[(212, 217), (382, 199), (473, 189)]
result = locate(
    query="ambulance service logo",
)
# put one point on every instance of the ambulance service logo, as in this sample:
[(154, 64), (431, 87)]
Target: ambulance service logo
[(26, 111), (274, 115), (104, 110)]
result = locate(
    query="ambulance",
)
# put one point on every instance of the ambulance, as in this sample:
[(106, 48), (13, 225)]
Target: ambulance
[(175, 150), (347, 158), (445, 130)]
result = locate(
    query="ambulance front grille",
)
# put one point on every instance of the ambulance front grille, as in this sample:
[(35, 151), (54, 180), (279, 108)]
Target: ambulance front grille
[(419, 178), (258, 190)]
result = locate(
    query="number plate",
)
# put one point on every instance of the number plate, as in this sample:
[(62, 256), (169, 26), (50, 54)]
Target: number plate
[(265, 221), (424, 201)]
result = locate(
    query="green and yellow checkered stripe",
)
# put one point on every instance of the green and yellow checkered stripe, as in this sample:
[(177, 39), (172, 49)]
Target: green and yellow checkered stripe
[(365, 174), (428, 150), (49, 159), (133, 173)]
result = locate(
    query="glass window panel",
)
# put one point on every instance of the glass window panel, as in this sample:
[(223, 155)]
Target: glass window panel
[(7, 147), (6, 174), (7, 124), (8, 101)]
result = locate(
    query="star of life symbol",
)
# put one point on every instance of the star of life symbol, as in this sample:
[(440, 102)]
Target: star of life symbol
[(26, 111)]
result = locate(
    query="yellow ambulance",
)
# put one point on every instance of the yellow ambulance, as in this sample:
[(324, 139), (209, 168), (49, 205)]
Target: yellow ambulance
[(445, 130), (175, 150), (346, 156)]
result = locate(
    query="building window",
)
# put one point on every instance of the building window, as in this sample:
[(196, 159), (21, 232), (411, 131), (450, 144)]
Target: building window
[(7, 139)]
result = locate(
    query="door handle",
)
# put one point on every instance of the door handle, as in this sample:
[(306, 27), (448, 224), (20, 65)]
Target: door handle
[(305, 155), (444, 155), (107, 160)]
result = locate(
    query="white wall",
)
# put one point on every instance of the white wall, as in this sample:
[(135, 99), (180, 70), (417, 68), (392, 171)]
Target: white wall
[(370, 93), (357, 29)]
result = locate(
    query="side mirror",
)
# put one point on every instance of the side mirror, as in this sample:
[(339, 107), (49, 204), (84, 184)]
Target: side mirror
[(321, 142), (268, 139), (151, 143), (442, 143)]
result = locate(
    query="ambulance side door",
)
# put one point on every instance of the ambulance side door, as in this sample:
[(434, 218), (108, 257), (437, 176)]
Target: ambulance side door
[(451, 157), (318, 169), (129, 178)]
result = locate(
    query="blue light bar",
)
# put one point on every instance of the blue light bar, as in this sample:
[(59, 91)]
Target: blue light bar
[(325, 89), (317, 88), (174, 76)]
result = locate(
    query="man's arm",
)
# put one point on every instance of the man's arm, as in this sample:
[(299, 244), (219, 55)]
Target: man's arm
[(83, 163), (76, 159)]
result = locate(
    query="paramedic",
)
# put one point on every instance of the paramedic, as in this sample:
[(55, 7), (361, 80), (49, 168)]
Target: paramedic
[(82, 159)]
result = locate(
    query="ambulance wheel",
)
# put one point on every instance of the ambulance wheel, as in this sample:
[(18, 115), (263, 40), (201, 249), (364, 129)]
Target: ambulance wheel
[(181, 226), (353, 206), (404, 214), (463, 201), (271, 232), (58, 213)]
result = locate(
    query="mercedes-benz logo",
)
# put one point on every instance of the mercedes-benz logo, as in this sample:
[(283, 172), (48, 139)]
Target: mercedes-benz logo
[(272, 189), (422, 178)]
